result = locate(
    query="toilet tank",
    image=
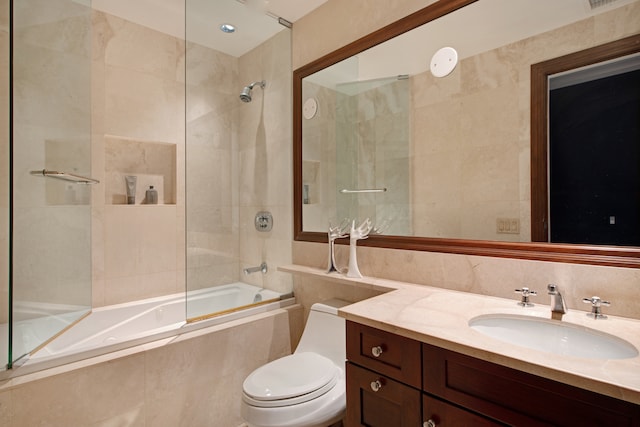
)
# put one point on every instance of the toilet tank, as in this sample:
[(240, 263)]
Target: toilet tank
[(324, 332)]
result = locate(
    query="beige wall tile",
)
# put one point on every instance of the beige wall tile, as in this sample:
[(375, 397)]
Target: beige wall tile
[(5, 408), (84, 396)]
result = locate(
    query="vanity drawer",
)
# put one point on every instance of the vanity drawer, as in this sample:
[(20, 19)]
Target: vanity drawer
[(443, 414), (389, 354), (374, 400), (518, 398)]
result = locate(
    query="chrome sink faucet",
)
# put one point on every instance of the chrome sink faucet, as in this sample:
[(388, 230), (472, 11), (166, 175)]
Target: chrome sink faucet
[(558, 306)]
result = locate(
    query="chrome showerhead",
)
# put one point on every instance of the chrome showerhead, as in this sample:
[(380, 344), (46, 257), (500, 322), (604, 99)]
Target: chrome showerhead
[(245, 95)]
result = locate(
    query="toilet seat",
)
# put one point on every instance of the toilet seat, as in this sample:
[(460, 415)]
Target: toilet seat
[(290, 380)]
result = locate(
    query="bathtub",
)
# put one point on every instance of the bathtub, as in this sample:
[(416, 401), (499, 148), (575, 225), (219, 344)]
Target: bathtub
[(120, 326)]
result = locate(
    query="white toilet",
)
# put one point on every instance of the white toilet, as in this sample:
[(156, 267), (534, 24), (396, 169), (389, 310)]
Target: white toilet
[(307, 388)]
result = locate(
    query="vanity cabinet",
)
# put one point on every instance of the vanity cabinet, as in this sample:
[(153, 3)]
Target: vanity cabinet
[(383, 378), (396, 381)]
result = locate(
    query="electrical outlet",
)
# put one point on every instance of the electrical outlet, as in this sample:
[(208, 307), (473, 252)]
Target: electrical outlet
[(508, 226)]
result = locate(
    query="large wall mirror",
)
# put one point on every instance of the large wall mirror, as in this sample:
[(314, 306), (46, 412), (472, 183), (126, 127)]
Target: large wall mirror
[(448, 152)]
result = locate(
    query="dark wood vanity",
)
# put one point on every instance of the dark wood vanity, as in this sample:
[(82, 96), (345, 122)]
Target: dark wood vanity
[(394, 381)]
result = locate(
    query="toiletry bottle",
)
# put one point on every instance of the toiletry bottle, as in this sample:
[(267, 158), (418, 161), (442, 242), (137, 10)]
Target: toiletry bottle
[(151, 196), (131, 189)]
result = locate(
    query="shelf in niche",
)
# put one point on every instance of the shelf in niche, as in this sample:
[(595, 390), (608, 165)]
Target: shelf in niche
[(152, 162)]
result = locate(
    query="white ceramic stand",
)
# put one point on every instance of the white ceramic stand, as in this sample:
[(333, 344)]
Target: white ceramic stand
[(362, 232)]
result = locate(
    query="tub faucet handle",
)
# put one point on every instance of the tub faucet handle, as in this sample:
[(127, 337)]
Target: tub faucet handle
[(526, 293), (596, 304)]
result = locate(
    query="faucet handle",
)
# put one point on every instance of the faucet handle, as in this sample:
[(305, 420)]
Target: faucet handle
[(596, 303), (526, 293)]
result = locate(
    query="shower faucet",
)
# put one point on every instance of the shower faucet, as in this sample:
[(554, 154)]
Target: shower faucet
[(262, 267)]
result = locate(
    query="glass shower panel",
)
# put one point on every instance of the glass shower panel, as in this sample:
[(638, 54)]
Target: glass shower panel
[(229, 144), (51, 130), (4, 183), (372, 153)]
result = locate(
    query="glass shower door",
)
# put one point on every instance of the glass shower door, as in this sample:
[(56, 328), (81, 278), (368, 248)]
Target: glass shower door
[(4, 182), (51, 156)]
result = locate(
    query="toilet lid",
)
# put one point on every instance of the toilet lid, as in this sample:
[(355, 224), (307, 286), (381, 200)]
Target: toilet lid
[(291, 376)]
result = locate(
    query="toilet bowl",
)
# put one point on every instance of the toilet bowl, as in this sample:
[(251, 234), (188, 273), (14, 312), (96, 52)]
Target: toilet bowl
[(306, 388)]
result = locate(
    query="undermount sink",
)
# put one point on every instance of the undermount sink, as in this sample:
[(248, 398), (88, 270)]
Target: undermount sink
[(553, 336)]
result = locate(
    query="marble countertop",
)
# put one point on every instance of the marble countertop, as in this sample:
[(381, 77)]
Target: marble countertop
[(441, 317)]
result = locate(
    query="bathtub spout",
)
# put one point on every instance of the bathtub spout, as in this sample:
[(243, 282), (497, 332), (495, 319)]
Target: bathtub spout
[(262, 267)]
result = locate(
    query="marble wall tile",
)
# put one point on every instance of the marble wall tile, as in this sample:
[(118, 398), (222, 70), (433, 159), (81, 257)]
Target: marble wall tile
[(212, 218), (140, 48), (143, 106), (52, 256), (617, 23), (348, 20), (308, 291), (148, 233), (198, 382), (483, 275), (57, 25), (4, 17), (138, 114), (264, 160), (90, 395), (5, 408)]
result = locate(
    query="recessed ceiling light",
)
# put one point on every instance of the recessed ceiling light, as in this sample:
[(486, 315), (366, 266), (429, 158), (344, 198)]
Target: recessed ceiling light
[(227, 28)]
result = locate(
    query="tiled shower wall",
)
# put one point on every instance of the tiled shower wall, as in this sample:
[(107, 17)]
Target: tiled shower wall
[(138, 96), (238, 162)]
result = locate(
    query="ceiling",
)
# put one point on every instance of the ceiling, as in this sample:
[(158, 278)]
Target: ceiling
[(204, 18)]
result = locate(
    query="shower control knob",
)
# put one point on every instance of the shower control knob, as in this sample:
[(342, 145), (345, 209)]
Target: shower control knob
[(263, 221), (377, 385), (377, 351)]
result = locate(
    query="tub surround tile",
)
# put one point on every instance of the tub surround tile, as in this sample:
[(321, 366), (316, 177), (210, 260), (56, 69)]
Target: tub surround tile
[(5, 408), (200, 380), (90, 394), (191, 380)]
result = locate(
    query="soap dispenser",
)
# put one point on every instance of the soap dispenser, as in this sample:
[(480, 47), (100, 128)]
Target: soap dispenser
[(151, 196)]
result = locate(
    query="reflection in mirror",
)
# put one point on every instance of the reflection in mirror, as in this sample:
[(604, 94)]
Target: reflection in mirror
[(589, 101), (594, 154), (364, 173), (469, 162)]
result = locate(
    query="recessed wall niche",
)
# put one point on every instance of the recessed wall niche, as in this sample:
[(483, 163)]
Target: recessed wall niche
[(152, 162)]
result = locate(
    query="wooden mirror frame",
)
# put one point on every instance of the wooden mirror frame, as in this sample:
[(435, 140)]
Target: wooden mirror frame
[(617, 256)]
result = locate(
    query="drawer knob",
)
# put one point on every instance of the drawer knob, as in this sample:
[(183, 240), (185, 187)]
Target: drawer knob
[(376, 351), (429, 423), (376, 385)]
